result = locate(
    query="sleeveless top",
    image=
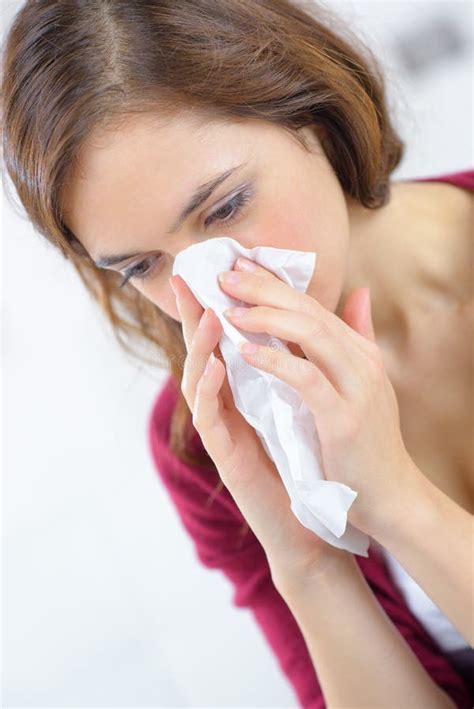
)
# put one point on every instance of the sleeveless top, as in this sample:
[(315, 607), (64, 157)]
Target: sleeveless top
[(444, 632), (214, 524)]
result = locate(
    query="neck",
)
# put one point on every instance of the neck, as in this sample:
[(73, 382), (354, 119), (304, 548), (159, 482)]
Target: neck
[(376, 259)]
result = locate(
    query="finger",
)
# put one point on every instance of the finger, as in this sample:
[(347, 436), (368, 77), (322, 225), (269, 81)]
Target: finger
[(238, 465), (208, 418), (256, 289), (212, 322), (189, 308), (191, 311), (306, 378), (336, 356), (226, 392), (357, 313), (249, 266), (204, 340)]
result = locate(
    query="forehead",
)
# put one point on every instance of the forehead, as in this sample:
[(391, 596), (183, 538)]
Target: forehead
[(149, 166), (142, 147)]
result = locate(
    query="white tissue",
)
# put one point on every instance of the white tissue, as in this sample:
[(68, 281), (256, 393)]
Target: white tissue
[(283, 422)]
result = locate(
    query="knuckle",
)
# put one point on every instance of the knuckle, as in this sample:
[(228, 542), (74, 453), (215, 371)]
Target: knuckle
[(306, 305), (259, 288), (197, 413), (309, 376), (319, 328), (188, 386), (349, 424), (193, 341), (340, 426), (372, 347), (262, 312), (195, 418), (185, 387), (271, 359), (195, 366), (376, 366)]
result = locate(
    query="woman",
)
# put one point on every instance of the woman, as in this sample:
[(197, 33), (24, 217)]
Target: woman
[(132, 129)]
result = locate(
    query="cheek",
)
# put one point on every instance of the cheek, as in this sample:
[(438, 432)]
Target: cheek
[(302, 230), (309, 228), (172, 311), (168, 305), (284, 229), (164, 299)]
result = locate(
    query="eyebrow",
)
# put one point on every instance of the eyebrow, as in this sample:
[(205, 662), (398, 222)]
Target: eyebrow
[(200, 195)]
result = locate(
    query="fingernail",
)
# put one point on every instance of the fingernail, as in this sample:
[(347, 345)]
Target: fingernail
[(203, 318), (235, 312), (245, 264), (229, 277), (248, 347)]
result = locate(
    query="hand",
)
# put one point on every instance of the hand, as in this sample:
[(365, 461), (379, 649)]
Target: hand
[(343, 382), (292, 550)]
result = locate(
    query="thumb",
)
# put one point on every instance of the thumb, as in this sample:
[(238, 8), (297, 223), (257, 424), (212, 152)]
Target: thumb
[(357, 313)]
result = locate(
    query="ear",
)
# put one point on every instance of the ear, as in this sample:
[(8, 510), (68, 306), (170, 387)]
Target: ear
[(357, 313)]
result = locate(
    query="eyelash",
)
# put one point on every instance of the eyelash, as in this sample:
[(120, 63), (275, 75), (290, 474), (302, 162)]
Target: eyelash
[(240, 199)]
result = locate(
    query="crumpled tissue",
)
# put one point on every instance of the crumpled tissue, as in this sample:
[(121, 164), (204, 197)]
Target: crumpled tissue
[(283, 422)]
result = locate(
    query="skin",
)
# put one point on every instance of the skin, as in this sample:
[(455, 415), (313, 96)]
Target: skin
[(112, 206), (414, 254)]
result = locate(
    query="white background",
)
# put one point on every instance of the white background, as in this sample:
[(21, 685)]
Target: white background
[(104, 601)]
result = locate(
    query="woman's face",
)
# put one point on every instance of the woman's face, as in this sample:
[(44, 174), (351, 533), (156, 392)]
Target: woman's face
[(134, 185)]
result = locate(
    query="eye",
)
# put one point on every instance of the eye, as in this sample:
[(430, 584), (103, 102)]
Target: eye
[(139, 272), (232, 207)]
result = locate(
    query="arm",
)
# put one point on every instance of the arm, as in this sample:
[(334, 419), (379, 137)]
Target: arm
[(361, 658), (432, 538), (215, 532)]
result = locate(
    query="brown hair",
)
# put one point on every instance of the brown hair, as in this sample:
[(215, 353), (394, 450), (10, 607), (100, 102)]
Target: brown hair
[(70, 66)]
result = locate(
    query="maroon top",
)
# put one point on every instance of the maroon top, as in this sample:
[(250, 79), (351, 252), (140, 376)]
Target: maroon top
[(215, 531)]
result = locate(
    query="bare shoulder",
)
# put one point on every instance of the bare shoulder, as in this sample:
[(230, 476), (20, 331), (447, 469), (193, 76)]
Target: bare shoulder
[(460, 225), (433, 343), (443, 222)]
